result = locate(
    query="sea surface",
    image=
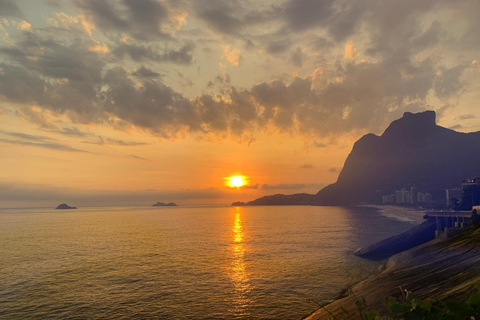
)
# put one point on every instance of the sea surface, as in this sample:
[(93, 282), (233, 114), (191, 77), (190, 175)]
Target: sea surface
[(182, 262)]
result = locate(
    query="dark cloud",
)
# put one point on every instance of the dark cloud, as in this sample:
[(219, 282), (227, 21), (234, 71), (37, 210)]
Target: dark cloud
[(9, 8), (144, 72), (448, 83), (251, 187), (46, 145), (278, 45), (297, 57), (107, 141), (399, 72), (142, 53), (303, 14), (307, 166), (466, 116), (35, 116), (73, 132), (54, 3), (456, 127), (25, 136), (140, 18), (36, 141), (220, 15), (332, 169), (137, 157)]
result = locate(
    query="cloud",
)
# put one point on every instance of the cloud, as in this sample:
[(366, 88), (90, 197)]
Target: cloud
[(232, 55), (466, 116), (303, 14), (64, 22), (297, 57), (62, 70), (143, 20), (456, 127), (350, 51), (144, 72), (251, 187), (108, 141), (137, 157), (307, 166), (9, 8), (46, 145), (332, 169), (140, 53)]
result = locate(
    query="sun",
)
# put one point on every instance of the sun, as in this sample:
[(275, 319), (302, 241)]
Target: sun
[(236, 181)]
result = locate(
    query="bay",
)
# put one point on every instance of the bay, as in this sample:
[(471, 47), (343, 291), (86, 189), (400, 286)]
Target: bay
[(182, 262)]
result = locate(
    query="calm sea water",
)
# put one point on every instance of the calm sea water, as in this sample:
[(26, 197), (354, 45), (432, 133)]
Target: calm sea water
[(181, 262)]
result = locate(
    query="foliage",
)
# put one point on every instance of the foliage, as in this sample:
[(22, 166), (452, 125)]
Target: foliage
[(409, 307)]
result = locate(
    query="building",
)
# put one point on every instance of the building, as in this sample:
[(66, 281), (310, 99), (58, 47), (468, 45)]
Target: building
[(452, 194), (470, 182), (388, 199)]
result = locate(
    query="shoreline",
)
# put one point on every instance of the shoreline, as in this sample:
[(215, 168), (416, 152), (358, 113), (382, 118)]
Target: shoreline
[(406, 214), (437, 269)]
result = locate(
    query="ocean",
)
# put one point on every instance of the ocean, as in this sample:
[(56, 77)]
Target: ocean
[(182, 262)]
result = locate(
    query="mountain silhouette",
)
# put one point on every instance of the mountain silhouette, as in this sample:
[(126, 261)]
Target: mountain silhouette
[(412, 152)]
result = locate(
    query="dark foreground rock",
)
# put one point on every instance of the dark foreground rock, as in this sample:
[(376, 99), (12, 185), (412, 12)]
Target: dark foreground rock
[(435, 270), (396, 244), (163, 204), (65, 206)]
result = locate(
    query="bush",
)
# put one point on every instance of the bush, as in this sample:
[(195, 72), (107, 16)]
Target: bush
[(409, 307)]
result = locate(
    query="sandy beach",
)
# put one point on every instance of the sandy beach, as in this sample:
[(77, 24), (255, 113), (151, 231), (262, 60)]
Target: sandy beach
[(400, 213)]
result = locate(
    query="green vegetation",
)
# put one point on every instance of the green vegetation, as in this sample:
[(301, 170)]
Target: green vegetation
[(409, 307)]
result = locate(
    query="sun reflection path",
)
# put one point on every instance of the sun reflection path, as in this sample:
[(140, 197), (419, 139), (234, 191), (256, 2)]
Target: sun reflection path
[(239, 275)]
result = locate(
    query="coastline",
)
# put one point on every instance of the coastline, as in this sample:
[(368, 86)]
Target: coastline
[(399, 213), (437, 269)]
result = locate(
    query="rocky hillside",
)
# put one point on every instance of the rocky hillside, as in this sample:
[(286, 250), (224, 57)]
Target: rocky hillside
[(435, 270), (413, 151)]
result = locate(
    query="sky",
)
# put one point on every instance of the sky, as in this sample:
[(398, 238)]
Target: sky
[(130, 102)]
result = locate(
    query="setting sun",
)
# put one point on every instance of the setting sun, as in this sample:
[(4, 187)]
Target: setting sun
[(236, 181)]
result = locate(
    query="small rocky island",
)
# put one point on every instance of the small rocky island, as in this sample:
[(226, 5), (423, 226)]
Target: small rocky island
[(163, 204), (65, 206)]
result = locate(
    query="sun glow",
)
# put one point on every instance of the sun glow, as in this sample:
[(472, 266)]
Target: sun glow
[(236, 181)]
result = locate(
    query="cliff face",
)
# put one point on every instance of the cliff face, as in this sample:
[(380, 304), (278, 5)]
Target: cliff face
[(413, 151)]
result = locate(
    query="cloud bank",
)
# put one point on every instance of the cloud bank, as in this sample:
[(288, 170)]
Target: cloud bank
[(104, 66)]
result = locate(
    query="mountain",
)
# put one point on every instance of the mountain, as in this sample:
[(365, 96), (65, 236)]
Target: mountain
[(412, 152)]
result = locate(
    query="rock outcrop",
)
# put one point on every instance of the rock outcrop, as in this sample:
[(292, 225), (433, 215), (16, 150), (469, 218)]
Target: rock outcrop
[(65, 206), (163, 204), (435, 270)]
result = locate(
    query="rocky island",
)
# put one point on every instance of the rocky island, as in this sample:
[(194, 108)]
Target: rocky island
[(65, 206), (163, 204)]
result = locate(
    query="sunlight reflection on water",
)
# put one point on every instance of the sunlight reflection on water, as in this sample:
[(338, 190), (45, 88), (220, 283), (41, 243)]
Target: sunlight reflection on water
[(239, 275)]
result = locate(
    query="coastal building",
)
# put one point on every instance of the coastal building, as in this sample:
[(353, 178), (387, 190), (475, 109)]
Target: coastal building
[(413, 193), (450, 194), (470, 182), (388, 199)]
